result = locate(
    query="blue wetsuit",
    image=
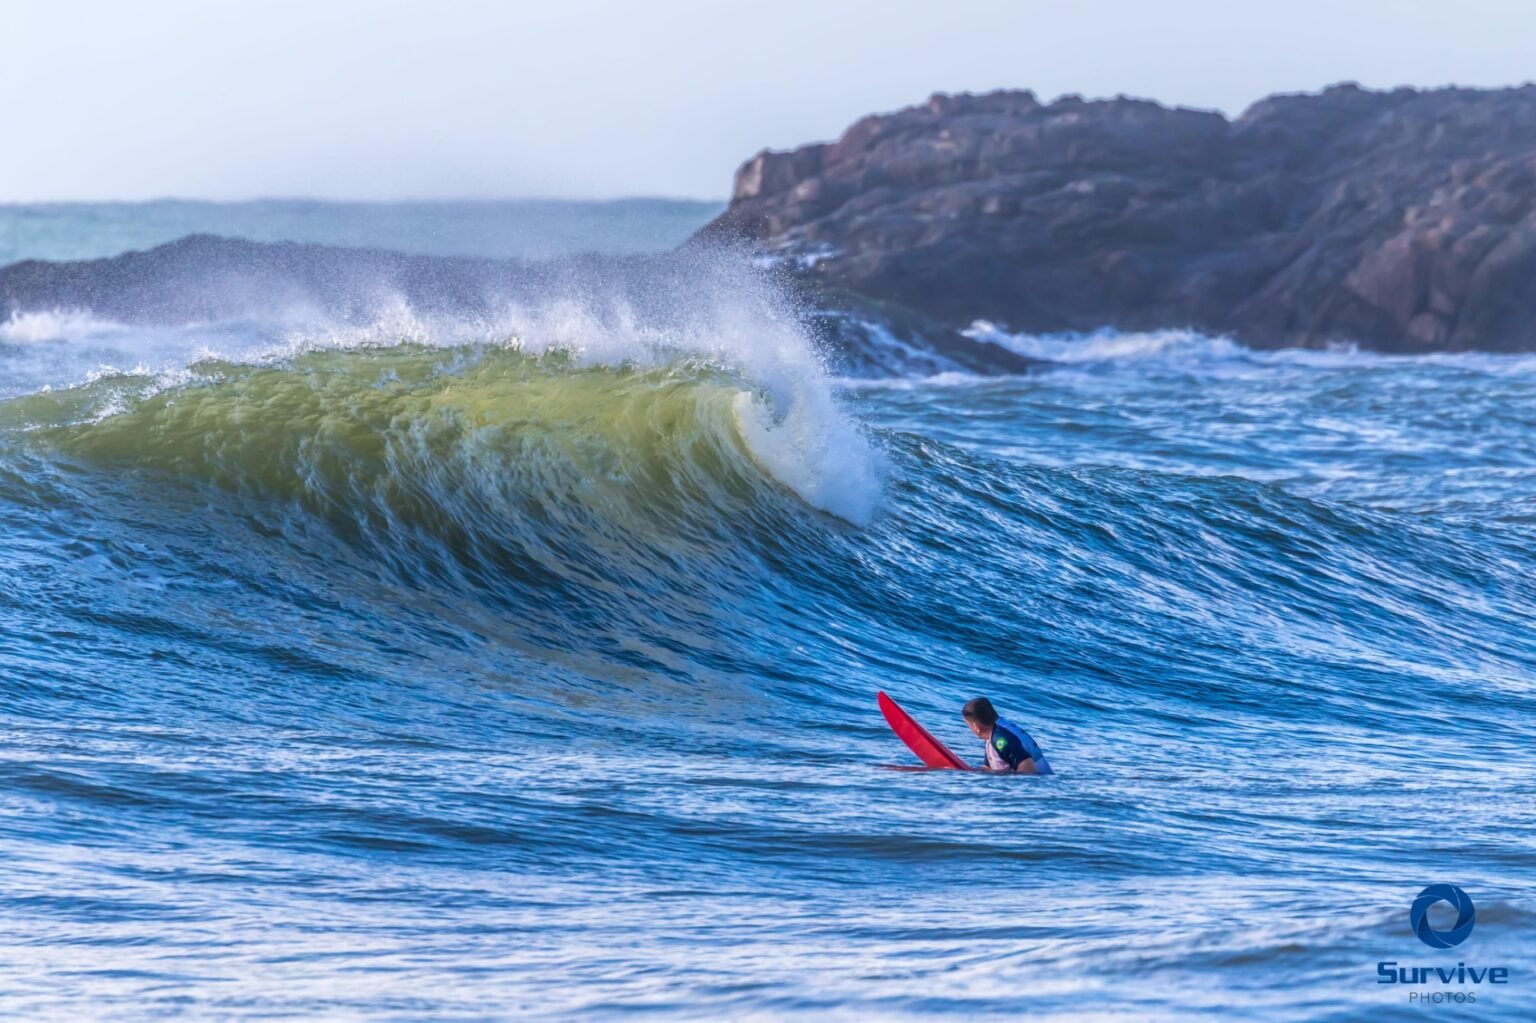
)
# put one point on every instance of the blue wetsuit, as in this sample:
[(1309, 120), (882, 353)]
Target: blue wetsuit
[(1010, 746)]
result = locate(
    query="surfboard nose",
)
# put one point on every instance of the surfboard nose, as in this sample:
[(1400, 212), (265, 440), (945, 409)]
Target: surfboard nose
[(919, 740)]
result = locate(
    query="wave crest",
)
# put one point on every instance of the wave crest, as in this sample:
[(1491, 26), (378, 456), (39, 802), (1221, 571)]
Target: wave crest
[(464, 432)]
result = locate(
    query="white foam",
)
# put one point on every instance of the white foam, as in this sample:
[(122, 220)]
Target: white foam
[(817, 453), (1112, 346), (1191, 350), (43, 326), (949, 378)]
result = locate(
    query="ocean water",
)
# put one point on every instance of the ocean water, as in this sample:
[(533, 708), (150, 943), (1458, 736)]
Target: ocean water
[(528, 670), (511, 229)]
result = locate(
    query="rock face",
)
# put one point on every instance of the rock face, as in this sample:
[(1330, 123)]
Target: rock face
[(1404, 220)]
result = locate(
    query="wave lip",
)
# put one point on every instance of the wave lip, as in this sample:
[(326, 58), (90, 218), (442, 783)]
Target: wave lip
[(387, 430)]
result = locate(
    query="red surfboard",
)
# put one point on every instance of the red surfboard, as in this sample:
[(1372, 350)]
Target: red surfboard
[(929, 750)]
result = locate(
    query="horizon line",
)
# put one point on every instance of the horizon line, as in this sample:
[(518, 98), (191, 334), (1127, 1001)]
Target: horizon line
[(529, 200)]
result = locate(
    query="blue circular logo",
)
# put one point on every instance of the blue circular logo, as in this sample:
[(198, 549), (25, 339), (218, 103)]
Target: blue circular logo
[(1466, 916)]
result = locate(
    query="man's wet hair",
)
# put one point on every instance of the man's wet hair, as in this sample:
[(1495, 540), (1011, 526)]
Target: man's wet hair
[(980, 710)]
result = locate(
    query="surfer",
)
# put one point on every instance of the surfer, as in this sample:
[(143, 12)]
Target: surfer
[(1010, 750)]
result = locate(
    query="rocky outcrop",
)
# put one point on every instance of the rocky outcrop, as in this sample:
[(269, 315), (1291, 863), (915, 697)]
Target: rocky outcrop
[(1403, 220)]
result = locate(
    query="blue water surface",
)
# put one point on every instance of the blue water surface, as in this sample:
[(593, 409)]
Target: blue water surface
[(383, 683)]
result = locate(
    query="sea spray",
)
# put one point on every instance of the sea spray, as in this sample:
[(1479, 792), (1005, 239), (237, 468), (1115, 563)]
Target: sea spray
[(714, 317)]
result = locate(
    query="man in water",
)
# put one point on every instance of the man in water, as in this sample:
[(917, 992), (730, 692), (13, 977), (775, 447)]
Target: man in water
[(1010, 750)]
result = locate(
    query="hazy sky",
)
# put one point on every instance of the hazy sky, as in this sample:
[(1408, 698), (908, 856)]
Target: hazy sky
[(450, 98)]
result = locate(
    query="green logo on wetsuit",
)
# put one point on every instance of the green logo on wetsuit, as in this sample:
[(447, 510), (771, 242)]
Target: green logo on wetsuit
[(1000, 743)]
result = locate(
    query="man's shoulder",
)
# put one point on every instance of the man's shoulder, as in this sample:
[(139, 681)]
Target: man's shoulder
[(1007, 732), (1017, 739)]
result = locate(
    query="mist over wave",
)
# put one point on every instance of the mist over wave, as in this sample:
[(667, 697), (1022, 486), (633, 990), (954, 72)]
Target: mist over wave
[(715, 324)]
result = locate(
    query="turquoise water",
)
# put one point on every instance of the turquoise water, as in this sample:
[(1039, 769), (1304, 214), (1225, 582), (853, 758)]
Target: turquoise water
[(527, 670)]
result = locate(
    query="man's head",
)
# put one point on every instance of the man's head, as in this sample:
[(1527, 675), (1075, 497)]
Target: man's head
[(980, 715)]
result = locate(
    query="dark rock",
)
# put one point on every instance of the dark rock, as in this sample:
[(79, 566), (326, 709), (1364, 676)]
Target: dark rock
[(1401, 220)]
